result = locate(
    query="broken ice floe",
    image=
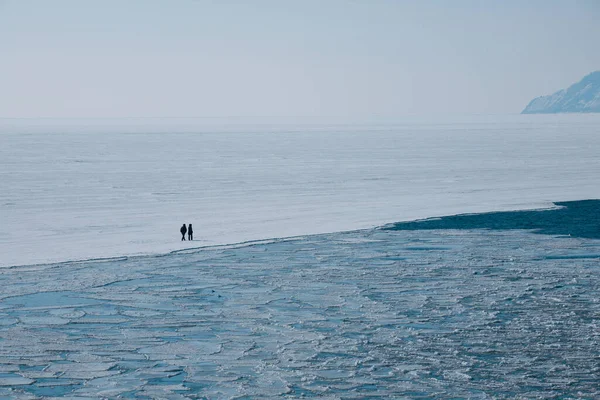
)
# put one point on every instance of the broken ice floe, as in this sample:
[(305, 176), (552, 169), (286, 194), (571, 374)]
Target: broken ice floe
[(353, 315)]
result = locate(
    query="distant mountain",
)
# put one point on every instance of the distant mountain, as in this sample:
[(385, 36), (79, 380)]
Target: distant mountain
[(582, 97)]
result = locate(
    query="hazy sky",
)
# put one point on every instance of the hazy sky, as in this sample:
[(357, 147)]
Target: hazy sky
[(342, 58)]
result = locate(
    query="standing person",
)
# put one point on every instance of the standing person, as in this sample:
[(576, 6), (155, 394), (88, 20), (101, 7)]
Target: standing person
[(183, 230), (190, 232)]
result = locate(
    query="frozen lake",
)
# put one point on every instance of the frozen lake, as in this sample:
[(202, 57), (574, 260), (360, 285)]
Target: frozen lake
[(452, 313), (469, 306), (81, 189)]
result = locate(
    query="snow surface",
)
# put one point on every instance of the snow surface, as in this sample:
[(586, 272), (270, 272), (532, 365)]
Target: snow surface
[(475, 314), (72, 190)]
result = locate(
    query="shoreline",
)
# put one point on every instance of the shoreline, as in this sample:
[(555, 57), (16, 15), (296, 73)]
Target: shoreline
[(556, 205)]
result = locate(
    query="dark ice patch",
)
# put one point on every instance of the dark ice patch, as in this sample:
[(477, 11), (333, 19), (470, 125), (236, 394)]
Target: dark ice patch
[(573, 218)]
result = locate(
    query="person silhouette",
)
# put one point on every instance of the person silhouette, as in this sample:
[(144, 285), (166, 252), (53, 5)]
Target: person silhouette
[(183, 230), (190, 232)]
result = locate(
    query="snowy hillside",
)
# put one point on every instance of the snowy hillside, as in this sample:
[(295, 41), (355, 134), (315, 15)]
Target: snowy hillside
[(581, 97)]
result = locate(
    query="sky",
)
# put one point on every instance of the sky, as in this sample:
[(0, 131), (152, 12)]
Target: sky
[(282, 58)]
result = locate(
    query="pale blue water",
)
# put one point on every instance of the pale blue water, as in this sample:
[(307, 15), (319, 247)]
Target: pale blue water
[(437, 313)]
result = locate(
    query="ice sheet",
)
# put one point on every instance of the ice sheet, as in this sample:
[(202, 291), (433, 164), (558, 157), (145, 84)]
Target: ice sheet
[(97, 189), (364, 314)]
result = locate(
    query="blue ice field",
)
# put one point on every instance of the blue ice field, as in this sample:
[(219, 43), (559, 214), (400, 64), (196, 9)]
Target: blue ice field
[(432, 309)]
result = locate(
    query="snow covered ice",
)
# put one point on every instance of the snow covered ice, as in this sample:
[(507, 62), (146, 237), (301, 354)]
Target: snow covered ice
[(73, 190)]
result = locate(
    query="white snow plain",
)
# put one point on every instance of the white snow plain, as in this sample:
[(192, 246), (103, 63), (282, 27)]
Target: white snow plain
[(84, 189)]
